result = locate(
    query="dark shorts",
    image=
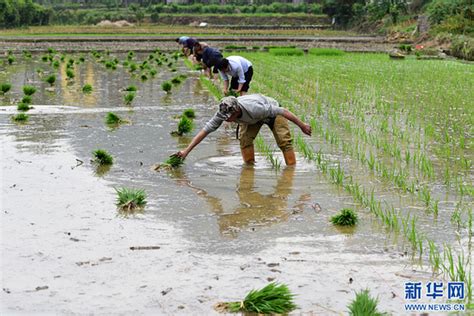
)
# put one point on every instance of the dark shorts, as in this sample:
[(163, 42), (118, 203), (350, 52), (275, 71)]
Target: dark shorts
[(234, 84)]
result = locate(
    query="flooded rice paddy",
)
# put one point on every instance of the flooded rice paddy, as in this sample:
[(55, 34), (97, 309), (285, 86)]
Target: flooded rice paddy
[(217, 228)]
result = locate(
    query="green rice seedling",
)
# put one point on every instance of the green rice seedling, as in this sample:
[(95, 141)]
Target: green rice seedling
[(130, 55), (185, 125), (113, 119), (173, 69), (448, 264), (346, 217), (425, 195), (82, 59), (45, 58), (144, 77), (56, 64), (109, 64), (29, 90), (125, 63), (130, 200), (213, 89), (274, 298), (51, 79), (176, 80), (71, 62), (5, 87), (173, 162), (131, 88), (153, 72), (232, 93), (456, 217), (102, 157), (128, 98), (325, 52), (26, 54), (23, 107), (27, 99), (11, 59), (132, 67), (283, 51), (87, 88), (51, 50), (189, 113), (364, 305), (435, 257), (20, 118), (70, 74), (166, 86)]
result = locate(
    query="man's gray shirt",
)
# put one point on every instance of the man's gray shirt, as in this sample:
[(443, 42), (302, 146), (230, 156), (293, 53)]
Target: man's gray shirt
[(255, 108)]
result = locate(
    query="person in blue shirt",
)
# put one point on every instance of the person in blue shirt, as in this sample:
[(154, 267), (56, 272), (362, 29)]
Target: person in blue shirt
[(208, 56), (187, 44), (237, 72)]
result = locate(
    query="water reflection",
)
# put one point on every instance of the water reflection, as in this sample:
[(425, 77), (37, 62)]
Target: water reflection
[(255, 209)]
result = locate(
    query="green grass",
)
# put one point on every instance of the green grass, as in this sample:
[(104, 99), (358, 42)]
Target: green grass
[(130, 200), (346, 217), (283, 51), (274, 298), (167, 86), (364, 305), (325, 52), (5, 87), (20, 118), (102, 157), (29, 90), (87, 88)]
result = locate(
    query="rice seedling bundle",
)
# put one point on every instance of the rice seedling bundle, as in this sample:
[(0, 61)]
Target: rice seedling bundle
[(166, 86), (26, 99), (130, 200), (102, 157), (87, 88), (131, 89), (29, 90), (346, 217), (113, 119), (189, 113), (364, 305), (5, 87), (21, 117), (173, 162), (274, 298), (128, 98), (23, 107), (185, 125), (51, 79)]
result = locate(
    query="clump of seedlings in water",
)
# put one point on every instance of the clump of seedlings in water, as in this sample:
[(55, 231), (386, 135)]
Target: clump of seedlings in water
[(56, 64), (185, 125), (173, 162), (102, 157), (347, 217), (29, 90), (87, 88), (364, 305), (189, 113), (27, 99), (130, 89), (113, 119), (4, 88), (23, 107), (130, 200), (166, 86), (51, 79), (11, 59), (128, 98), (70, 74), (272, 299), (20, 118)]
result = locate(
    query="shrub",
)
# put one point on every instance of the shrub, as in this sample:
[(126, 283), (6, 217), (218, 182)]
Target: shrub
[(346, 217), (166, 86), (283, 51), (29, 90), (463, 47), (4, 88), (364, 305), (325, 52), (102, 157)]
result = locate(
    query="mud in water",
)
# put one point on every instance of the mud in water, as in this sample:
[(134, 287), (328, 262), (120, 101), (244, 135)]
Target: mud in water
[(211, 231)]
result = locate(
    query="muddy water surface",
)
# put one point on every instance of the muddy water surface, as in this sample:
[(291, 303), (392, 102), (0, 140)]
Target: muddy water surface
[(222, 228)]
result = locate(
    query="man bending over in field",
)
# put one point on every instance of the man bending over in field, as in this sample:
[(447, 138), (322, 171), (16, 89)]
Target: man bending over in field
[(251, 112)]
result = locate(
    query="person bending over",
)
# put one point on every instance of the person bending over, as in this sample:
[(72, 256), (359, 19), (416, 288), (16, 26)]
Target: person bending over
[(240, 72), (251, 112)]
